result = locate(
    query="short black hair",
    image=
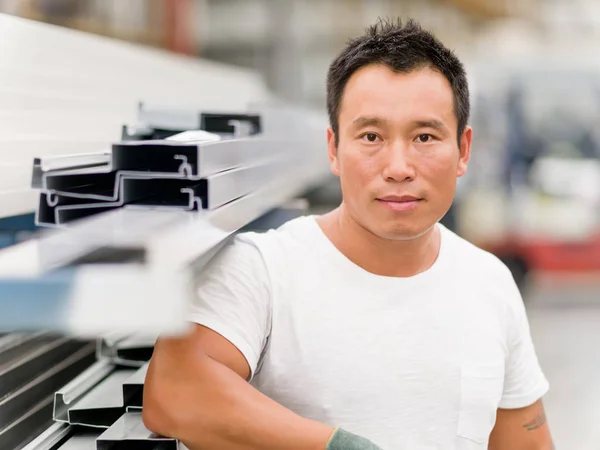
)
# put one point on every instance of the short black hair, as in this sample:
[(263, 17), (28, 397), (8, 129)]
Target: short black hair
[(403, 48)]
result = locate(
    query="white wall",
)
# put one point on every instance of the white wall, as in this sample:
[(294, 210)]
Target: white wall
[(63, 91)]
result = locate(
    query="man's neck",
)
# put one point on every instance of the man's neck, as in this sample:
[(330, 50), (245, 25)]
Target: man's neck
[(392, 258)]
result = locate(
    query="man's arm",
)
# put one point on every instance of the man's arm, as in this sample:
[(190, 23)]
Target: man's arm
[(196, 391), (521, 429)]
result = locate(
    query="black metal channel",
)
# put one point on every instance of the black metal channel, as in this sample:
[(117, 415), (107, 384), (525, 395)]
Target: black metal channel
[(86, 183), (24, 367), (56, 376), (104, 404), (154, 157), (133, 389), (13, 346), (139, 354), (28, 427)]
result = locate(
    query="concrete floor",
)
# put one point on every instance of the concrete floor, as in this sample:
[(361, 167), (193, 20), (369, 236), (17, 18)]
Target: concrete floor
[(565, 325)]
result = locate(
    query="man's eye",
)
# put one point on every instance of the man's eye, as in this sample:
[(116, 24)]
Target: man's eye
[(424, 138), (371, 137)]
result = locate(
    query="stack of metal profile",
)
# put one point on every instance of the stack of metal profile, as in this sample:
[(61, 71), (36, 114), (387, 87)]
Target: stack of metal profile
[(32, 367), (100, 409), (186, 161), (131, 228)]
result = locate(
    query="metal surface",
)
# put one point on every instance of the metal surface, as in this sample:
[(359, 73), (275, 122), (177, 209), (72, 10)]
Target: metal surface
[(17, 372), (82, 440), (131, 351), (103, 405), (64, 437), (133, 388), (52, 438), (15, 345), (162, 158), (18, 402), (43, 166), (72, 392), (107, 345), (159, 190), (130, 432), (27, 427), (133, 409)]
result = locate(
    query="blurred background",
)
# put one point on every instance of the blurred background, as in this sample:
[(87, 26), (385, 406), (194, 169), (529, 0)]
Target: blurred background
[(532, 194)]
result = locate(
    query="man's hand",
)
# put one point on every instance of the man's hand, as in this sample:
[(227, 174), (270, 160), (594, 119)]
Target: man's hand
[(521, 429)]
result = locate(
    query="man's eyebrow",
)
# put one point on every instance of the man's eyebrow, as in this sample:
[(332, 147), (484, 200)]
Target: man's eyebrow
[(361, 122), (433, 123)]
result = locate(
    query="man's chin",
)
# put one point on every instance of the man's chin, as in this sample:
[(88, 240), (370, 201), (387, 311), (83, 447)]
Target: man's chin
[(403, 233)]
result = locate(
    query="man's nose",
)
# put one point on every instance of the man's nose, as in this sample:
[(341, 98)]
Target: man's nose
[(398, 165)]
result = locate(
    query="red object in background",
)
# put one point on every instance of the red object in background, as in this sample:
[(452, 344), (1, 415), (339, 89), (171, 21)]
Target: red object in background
[(563, 257), (543, 255), (178, 31)]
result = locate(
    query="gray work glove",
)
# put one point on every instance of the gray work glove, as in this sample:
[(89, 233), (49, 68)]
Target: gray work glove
[(344, 440)]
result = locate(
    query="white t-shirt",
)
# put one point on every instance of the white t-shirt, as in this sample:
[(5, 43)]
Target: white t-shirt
[(410, 363)]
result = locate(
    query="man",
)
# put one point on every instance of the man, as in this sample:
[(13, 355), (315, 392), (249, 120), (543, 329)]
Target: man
[(372, 326)]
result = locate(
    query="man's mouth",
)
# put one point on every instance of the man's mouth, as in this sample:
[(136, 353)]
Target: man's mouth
[(400, 202)]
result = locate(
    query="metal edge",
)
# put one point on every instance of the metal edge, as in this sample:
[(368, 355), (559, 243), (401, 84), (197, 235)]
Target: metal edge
[(18, 432), (77, 388), (130, 428), (17, 402), (52, 438), (133, 388)]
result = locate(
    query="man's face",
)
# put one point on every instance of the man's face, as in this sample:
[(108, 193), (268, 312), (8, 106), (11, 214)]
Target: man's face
[(398, 157)]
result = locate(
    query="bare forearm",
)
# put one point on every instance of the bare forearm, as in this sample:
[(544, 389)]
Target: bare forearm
[(521, 429), (207, 405)]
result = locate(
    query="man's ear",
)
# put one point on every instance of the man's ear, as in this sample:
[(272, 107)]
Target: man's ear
[(332, 152), (465, 152)]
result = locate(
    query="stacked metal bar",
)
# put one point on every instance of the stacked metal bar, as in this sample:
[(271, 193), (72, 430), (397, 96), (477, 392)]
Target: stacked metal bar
[(32, 367), (101, 408), (150, 214), (182, 160)]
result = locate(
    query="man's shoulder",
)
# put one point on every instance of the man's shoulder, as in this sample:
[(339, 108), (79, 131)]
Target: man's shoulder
[(483, 274), (291, 232), (475, 261), (275, 243)]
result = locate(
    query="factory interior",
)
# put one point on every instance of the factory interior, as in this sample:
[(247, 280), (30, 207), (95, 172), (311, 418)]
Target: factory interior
[(81, 77)]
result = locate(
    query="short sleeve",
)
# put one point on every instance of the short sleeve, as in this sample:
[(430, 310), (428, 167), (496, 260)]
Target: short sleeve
[(524, 381), (233, 298)]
